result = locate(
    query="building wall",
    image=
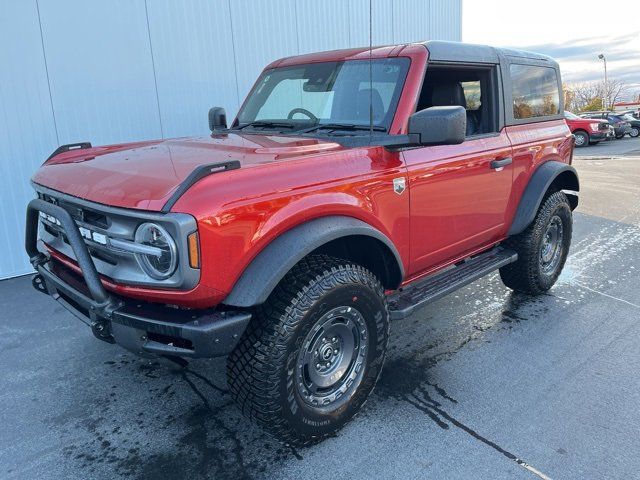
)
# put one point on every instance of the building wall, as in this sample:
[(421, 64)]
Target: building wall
[(125, 70)]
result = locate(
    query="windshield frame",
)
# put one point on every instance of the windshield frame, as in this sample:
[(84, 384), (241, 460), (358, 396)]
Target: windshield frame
[(298, 126)]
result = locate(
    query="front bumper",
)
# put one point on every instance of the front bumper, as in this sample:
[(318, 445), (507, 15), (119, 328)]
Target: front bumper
[(599, 136), (143, 328)]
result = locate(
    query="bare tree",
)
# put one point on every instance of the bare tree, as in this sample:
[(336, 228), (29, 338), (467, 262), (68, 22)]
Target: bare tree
[(615, 90), (589, 95)]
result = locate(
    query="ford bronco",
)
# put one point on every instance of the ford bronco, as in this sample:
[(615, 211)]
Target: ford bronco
[(352, 188)]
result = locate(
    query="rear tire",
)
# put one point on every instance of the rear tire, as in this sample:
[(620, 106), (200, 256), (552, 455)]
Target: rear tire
[(582, 139), (313, 351), (542, 248)]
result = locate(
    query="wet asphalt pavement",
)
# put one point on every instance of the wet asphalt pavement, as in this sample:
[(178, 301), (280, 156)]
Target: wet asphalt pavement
[(481, 384)]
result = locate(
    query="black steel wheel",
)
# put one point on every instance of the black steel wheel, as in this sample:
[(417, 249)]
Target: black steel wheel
[(551, 246), (542, 248), (313, 351), (331, 361)]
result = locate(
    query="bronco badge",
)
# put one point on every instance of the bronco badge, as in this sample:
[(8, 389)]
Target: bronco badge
[(399, 184)]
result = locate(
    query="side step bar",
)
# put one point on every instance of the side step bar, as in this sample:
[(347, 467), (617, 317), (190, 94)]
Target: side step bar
[(404, 302)]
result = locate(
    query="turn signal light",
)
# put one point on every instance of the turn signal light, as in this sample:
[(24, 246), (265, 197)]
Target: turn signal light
[(194, 250)]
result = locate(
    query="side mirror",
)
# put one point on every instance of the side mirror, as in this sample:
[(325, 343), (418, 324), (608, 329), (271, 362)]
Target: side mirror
[(217, 118), (439, 125)]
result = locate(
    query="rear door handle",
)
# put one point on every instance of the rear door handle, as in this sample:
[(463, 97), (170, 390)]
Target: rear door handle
[(501, 163)]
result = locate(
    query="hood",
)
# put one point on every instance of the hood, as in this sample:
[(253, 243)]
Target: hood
[(585, 121), (144, 175)]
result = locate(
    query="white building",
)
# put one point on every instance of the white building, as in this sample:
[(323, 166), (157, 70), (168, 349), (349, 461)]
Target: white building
[(125, 70), (626, 106)]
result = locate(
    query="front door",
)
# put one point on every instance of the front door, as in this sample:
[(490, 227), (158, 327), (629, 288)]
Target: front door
[(459, 197), (459, 194)]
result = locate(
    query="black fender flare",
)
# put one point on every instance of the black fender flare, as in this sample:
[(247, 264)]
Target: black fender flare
[(538, 185), (266, 270)]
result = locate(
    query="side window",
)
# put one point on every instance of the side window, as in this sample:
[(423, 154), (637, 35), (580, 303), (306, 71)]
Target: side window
[(535, 91), (468, 86)]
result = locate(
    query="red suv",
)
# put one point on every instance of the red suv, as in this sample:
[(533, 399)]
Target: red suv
[(588, 131), (352, 188)]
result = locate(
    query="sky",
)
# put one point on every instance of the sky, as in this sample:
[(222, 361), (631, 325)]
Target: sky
[(573, 32)]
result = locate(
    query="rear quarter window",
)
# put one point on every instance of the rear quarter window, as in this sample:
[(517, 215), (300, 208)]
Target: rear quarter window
[(535, 91)]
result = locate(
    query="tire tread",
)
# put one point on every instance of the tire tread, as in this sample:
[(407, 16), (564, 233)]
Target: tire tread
[(523, 275), (255, 365)]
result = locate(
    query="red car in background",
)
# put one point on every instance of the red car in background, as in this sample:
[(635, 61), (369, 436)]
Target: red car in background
[(588, 131)]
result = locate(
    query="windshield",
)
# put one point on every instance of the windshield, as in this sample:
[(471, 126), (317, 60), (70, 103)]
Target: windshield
[(326, 93), (571, 116)]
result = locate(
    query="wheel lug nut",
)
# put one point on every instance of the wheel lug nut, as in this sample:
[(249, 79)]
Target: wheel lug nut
[(318, 365), (328, 364), (334, 339)]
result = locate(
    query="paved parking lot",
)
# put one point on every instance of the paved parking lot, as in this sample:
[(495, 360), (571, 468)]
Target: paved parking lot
[(482, 384)]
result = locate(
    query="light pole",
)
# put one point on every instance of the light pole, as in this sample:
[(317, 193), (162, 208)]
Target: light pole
[(606, 86)]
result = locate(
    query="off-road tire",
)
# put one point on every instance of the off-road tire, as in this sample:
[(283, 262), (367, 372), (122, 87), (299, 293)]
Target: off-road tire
[(261, 371), (527, 275)]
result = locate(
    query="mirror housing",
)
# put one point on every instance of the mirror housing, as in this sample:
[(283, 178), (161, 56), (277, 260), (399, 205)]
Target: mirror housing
[(217, 119), (439, 125)]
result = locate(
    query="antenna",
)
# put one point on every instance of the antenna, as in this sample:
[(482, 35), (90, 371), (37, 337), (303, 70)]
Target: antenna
[(370, 71)]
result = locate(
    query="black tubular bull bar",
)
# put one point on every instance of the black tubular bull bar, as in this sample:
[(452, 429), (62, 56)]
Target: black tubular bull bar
[(146, 329)]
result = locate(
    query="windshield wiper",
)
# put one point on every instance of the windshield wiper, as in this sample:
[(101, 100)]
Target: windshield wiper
[(266, 124), (342, 126)]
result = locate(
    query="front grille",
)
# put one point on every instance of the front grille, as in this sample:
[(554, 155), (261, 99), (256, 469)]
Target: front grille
[(78, 213), (99, 225)]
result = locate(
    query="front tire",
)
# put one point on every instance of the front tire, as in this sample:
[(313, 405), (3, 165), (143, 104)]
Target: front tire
[(634, 132), (313, 352), (582, 139), (542, 248)]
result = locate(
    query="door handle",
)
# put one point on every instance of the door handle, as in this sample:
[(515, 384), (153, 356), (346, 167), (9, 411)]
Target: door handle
[(501, 163)]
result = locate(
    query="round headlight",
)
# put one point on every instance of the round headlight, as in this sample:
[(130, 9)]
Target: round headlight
[(163, 264)]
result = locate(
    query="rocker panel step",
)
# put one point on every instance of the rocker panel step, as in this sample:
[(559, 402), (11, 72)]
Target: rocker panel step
[(406, 301)]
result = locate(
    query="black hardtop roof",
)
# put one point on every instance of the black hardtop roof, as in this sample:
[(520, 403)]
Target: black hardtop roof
[(468, 52)]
